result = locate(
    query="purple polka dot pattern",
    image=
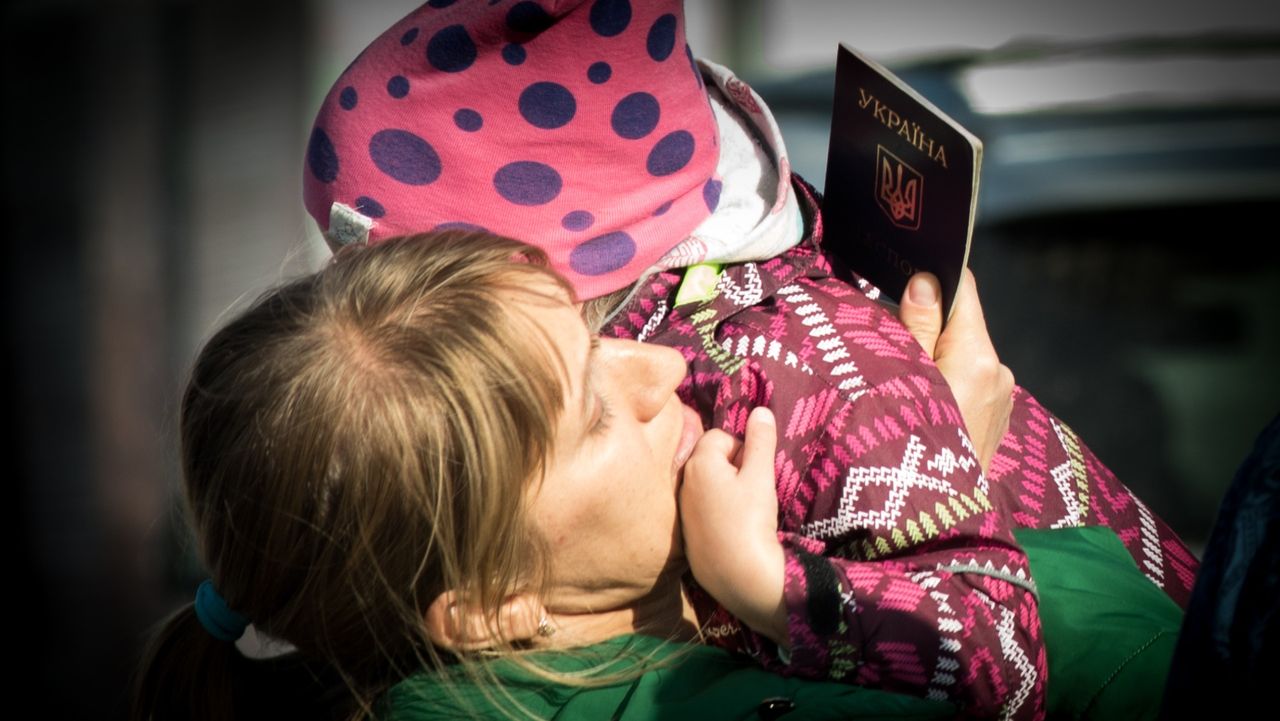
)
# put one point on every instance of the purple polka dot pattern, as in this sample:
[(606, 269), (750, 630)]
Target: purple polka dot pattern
[(635, 116), (551, 122), (577, 220), (711, 193), (603, 254), (451, 50), (526, 182), (404, 157), (610, 17), (514, 54), (547, 105), (662, 37), (398, 86), (526, 19), (459, 225), (468, 120), (322, 159), (671, 153), (599, 72), (348, 98), (369, 207)]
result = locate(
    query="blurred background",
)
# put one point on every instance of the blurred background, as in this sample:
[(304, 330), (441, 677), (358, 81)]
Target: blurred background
[(1126, 247)]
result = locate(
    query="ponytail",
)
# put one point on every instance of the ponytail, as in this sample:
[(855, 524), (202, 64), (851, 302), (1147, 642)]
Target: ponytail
[(186, 673)]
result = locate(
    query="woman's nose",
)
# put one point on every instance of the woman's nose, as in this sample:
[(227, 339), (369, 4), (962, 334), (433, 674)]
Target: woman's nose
[(649, 375)]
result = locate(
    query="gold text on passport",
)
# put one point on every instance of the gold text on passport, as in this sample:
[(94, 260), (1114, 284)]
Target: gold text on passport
[(908, 130)]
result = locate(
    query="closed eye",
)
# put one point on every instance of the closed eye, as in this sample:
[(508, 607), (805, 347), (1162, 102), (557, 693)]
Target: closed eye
[(601, 424)]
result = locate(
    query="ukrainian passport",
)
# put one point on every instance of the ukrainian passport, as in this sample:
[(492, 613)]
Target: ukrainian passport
[(902, 182)]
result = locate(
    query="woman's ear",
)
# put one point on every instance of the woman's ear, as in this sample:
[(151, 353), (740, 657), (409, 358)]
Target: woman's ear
[(456, 625)]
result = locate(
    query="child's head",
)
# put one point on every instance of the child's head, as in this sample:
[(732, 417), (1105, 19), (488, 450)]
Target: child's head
[(579, 126), (359, 441)]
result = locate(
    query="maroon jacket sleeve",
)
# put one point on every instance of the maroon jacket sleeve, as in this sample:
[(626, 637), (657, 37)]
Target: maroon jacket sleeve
[(902, 572), (1055, 481), (901, 569)]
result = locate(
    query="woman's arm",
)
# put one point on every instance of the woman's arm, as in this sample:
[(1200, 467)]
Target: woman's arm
[(1060, 481), (983, 386)]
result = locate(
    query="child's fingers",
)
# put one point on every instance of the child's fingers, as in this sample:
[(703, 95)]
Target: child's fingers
[(756, 451), (761, 442), (715, 445)]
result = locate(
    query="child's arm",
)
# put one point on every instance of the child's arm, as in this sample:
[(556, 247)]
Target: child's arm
[(908, 620), (897, 624), (729, 516), (732, 497)]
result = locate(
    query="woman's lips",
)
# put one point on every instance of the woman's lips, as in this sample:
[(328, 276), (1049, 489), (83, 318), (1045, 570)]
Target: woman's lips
[(689, 436)]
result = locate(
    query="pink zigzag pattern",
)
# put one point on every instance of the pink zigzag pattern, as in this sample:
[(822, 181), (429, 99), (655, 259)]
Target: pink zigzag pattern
[(902, 595), (809, 412), (903, 661)]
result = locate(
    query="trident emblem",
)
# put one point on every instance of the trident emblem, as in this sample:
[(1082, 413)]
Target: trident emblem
[(899, 189)]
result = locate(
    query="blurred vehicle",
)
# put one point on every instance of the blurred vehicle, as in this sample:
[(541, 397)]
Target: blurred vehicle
[(1125, 246)]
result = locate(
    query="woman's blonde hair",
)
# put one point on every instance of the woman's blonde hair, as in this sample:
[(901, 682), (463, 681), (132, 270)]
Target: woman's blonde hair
[(355, 443)]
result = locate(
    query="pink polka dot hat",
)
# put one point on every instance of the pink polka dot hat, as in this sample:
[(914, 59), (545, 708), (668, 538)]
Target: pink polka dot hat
[(581, 127)]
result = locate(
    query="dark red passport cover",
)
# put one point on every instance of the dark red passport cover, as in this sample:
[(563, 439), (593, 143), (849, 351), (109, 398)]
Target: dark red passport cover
[(902, 181)]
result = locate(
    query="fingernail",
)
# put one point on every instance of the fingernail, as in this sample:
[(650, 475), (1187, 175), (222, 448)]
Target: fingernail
[(921, 292), (762, 414)]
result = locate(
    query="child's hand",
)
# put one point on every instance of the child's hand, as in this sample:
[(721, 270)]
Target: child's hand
[(729, 514)]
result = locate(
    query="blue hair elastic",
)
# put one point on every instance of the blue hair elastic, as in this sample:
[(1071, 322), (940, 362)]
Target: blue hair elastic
[(216, 616)]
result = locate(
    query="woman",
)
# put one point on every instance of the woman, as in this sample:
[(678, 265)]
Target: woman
[(587, 129), (419, 457)]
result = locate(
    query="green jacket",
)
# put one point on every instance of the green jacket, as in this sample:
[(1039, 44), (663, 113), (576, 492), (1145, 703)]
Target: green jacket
[(683, 682), (1109, 635), (1109, 632)]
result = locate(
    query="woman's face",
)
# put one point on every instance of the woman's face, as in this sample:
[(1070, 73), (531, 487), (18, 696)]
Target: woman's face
[(607, 505)]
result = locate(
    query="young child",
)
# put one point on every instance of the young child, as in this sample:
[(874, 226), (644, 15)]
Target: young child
[(588, 130)]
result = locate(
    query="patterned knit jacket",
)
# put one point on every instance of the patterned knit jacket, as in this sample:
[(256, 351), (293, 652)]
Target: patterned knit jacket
[(902, 572)]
